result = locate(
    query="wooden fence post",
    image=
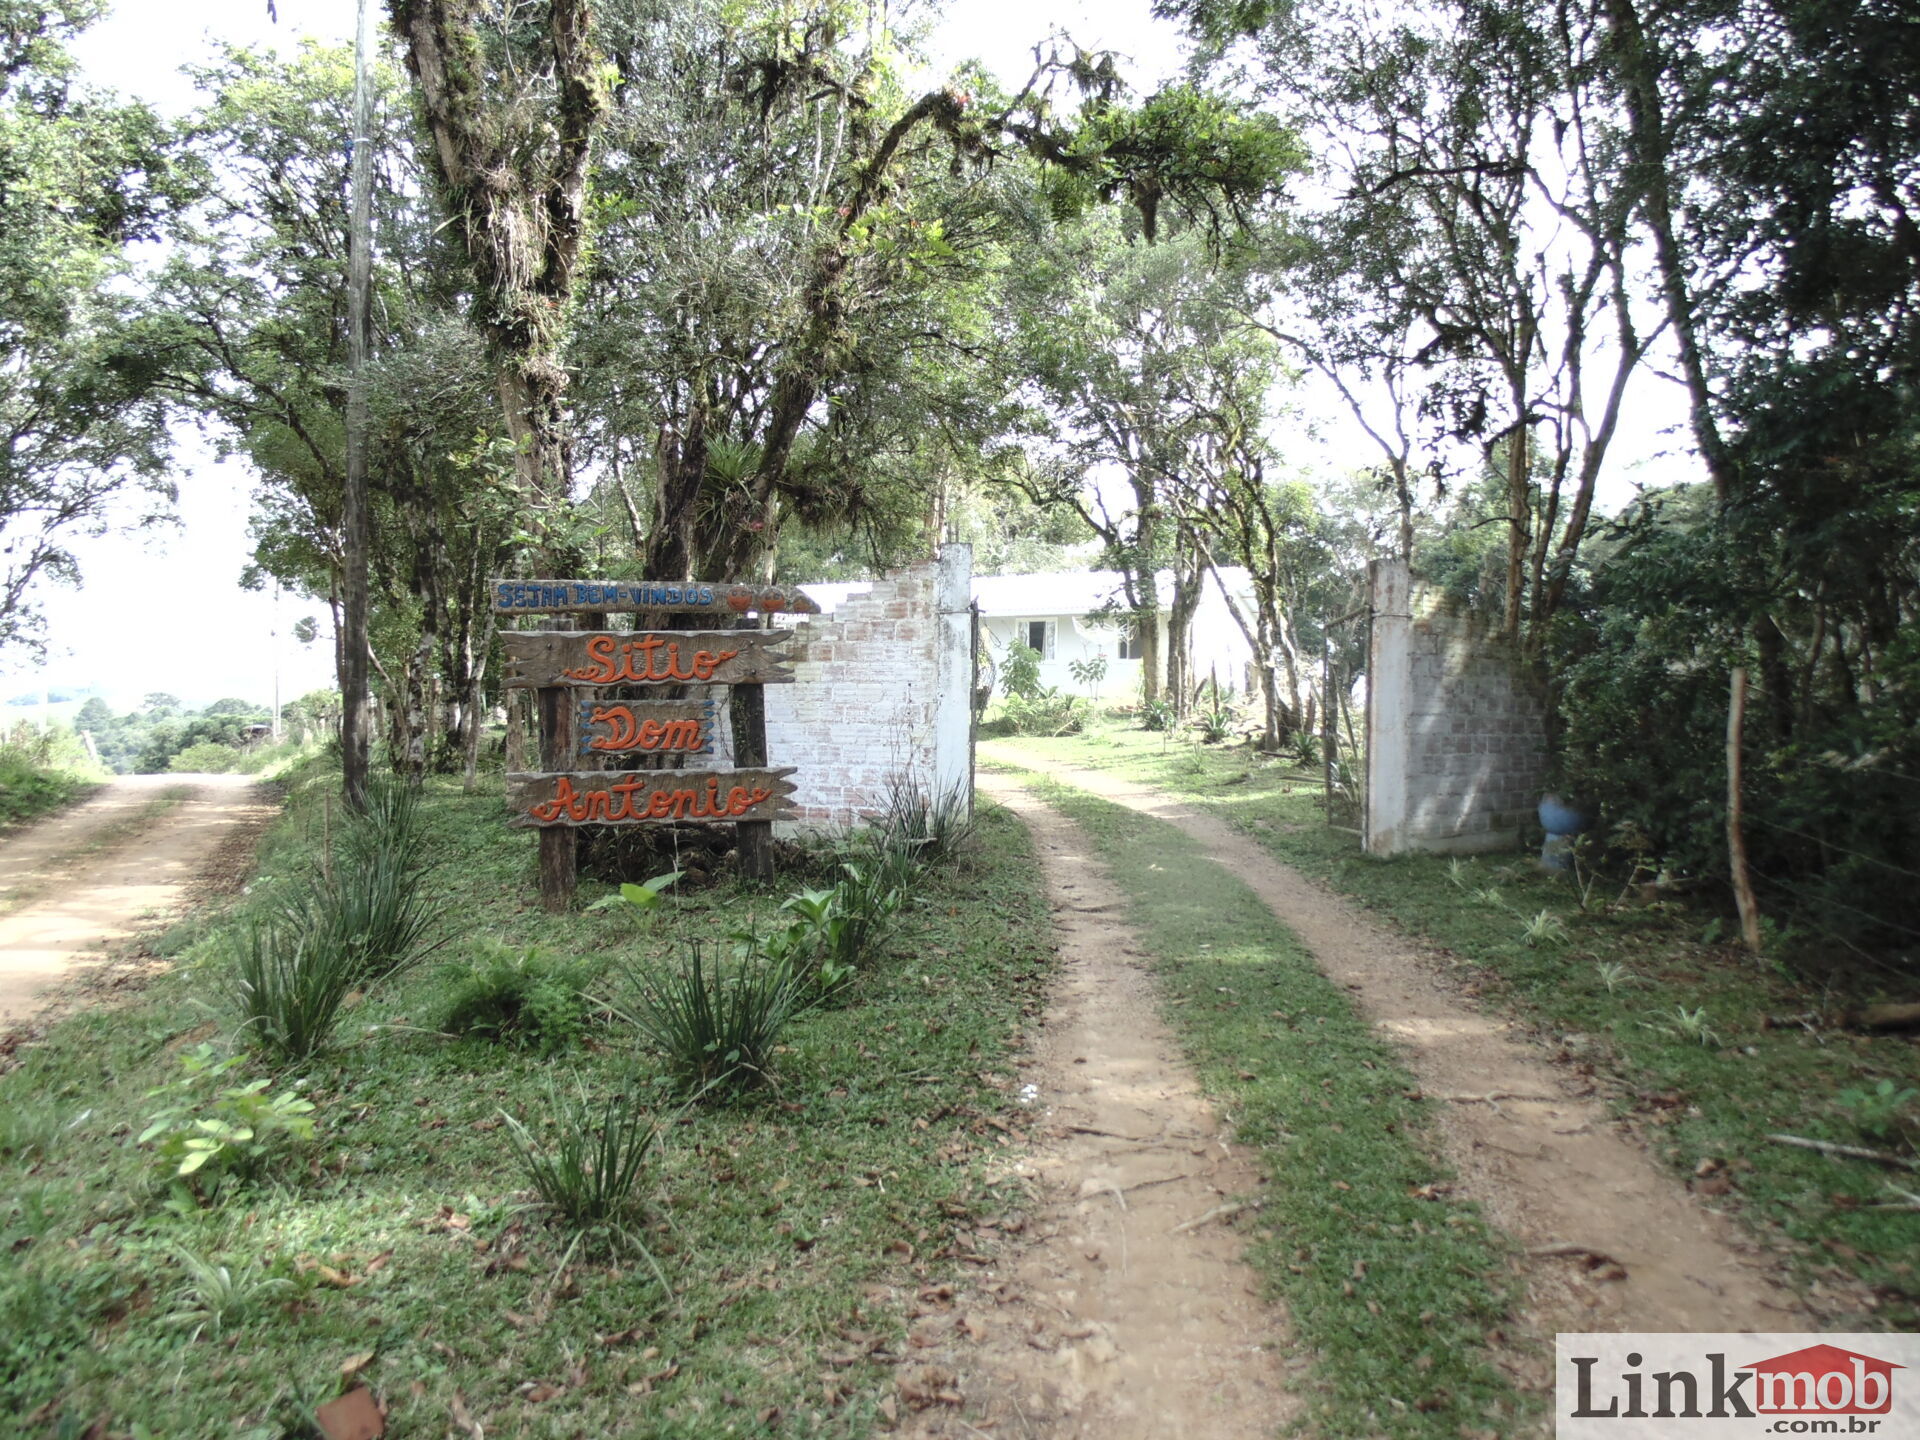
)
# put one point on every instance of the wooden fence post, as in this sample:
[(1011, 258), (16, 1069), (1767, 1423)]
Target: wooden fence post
[(754, 838)]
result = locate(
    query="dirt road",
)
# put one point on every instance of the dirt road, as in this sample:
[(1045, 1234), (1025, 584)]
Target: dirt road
[(1126, 1313), (1532, 1142), (75, 886)]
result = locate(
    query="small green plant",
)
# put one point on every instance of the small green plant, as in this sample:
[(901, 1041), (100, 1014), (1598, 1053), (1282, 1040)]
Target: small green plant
[(1613, 974), (1020, 672), (523, 998), (1691, 1025), (1545, 928), (208, 1132), (717, 1030), (1457, 872), (1156, 715), (1882, 1111), (1489, 895), (212, 1297), (1215, 722), (643, 899), (589, 1172), (1089, 672)]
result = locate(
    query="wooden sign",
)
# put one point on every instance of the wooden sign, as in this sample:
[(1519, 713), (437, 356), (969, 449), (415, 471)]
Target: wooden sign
[(551, 597), (649, 797), (652, 727), (538, 658)]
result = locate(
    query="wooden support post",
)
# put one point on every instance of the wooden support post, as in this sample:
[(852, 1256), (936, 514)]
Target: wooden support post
[(1736, 836), (754, 837), (557, 843)]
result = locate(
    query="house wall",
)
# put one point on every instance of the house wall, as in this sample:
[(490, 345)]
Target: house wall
[(1456, 753), (881, 689), (1074, 640)]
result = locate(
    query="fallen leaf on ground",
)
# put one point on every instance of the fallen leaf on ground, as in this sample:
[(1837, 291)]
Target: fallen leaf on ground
[(354, 1416), (354, 1364)]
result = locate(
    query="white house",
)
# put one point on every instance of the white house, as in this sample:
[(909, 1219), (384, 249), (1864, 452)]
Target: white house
[(1050, 613)]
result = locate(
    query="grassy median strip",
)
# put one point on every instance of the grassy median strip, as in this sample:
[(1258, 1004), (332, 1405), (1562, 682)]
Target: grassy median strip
[(1653, 998), (1397, 1288), (758, 1284)]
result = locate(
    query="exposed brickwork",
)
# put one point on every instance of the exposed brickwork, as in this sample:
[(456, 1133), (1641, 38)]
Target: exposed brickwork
[(868, 693)]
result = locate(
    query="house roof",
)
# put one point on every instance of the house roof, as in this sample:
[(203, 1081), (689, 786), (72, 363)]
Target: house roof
[(1069, 592), (1060, 592)]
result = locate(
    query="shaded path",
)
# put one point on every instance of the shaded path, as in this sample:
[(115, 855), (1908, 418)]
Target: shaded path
[(1622, 1245), (76, 905), (1115, 1316)]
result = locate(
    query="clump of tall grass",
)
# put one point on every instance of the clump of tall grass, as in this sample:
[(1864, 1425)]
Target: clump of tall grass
[(935, 827), (589, 1172), (360, 918), (716, 1027), (288, 978)]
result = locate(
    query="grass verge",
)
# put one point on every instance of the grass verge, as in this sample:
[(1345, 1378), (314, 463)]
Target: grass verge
[(1398, 1288), (1674, 1022), (400, 1248)]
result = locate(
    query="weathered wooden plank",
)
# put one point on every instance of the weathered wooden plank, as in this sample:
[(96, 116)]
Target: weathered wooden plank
[(556, 597), (646, 657), (649, 797), (646, 727)]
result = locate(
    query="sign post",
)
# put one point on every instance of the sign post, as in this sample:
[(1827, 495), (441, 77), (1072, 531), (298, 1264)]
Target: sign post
[(568, 669)]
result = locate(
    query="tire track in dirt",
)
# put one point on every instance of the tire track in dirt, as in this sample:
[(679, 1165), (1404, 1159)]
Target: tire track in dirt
[(1614, 1242), (1126, 1311), (78, 908)]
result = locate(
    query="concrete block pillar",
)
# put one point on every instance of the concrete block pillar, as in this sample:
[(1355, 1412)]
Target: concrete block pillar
[(953, 672), (1389, 708)]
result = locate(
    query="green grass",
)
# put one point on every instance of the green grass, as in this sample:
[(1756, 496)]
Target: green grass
[(29, 790), (1393, 1285), (1619, 992), (783, 1222)]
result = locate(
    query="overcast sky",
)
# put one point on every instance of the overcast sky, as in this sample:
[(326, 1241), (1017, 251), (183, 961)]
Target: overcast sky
[(164, 611)]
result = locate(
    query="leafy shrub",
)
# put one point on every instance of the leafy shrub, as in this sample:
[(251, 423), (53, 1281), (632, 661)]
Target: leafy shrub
[(1156, 715), (809, 950), (208, 1132), (526, 999), (1046, 713), (209, 757), (28, 789), (289, 974), (1020, 675), (717, 1030)]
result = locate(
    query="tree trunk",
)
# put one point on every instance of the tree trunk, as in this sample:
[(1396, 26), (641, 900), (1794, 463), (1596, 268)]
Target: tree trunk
[(355, 520), (1649, 158)]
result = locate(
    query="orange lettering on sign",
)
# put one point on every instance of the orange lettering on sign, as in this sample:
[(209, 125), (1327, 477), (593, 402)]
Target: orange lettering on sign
[(613, 663), (630, 799), (626, 731)]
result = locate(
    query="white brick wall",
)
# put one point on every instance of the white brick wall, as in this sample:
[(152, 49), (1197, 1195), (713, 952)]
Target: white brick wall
[(881, 688)]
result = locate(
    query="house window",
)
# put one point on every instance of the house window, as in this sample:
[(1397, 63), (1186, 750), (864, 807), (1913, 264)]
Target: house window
[(1040, 636), (1129, 647)]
